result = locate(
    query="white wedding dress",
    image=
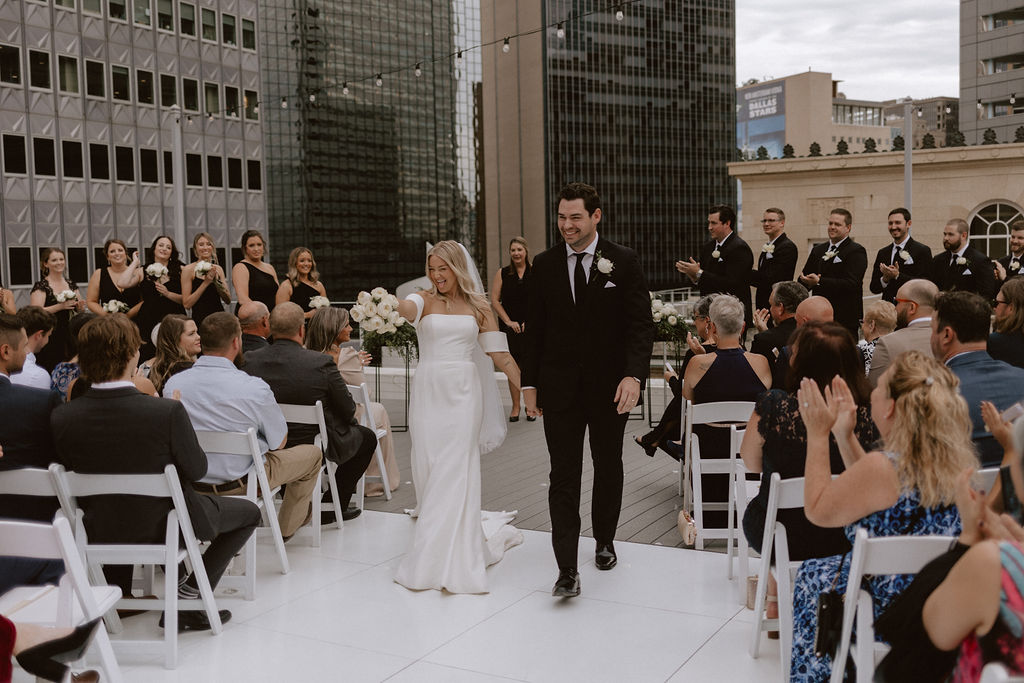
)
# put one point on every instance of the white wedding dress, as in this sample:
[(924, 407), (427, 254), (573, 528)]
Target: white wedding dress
[(454, 541)]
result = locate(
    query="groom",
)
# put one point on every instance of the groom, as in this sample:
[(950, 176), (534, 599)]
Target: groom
[(589, 334)]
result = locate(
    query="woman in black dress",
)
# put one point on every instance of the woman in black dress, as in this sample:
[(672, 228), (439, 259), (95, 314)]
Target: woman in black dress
[(253, 279), (303, 281), (510, 299), (203, 292), (159, 285), (102, 289), (45, 294)]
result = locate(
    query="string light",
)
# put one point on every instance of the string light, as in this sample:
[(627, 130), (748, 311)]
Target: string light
[(458, 60), (506, 47), (560, 32), (619, 14), (418, 70), (379, 80), (284, 103), (312, 98), (1013, 98), (344, 88)]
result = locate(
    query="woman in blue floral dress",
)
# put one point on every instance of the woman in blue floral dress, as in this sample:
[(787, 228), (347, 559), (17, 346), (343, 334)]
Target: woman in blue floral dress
[(906, 490)]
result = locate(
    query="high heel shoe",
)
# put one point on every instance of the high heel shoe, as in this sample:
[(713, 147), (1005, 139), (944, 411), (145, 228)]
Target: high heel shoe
[(649, 449), (48, 660)]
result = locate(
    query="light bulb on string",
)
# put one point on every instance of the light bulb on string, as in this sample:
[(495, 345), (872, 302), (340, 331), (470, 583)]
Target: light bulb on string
[(560, 32), (619, 14), (379, 80), (284, 103), (312, 98), (344, 88), (209, 117), (458, 60), (1013, 98), (418, 70), (505, 46)]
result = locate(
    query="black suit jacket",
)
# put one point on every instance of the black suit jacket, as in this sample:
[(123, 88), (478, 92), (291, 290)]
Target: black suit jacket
[(122, 431), (980, 279), (729, 273), (253, 342), (1012, 272), (27, 441), (842, 280), (921, 258), (580, 354), (303, 377), (779, 268), (773, 338)]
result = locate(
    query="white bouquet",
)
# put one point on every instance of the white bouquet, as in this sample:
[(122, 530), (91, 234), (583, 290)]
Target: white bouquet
[(380, 324), (668, 324), (319, 302), (156, 270), (115, 306), (66, 295), (202, 268)]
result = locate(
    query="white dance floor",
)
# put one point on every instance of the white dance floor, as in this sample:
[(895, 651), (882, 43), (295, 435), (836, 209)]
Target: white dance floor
[(663, 614)]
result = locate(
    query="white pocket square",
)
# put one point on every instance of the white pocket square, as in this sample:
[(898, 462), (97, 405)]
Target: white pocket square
[(837, 260), (909, 262), (609, 284), (967, 271)]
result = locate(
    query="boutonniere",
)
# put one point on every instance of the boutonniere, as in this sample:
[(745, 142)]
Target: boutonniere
[(904, 254), (716, 254), (604, 265), (830, 254), (768, 248), (1014, 264), (961, 261)]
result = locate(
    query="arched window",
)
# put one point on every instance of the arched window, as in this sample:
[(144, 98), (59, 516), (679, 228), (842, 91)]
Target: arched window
[(990, 227)]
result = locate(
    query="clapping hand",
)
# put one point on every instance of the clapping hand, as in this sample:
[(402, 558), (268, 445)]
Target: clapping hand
[(840, 401), (815, 409), (810, 280), (364, 357), (889, 273), (761, 316), (688, 268), (694, 344), (1000, 270)]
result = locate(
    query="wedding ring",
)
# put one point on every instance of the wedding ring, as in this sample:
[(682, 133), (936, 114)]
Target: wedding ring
[(806, 404)]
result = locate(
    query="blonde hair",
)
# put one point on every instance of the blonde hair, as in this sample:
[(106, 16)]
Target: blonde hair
[(293, 265), (195, 243), (450, 252), (883, 314), (931, 434)]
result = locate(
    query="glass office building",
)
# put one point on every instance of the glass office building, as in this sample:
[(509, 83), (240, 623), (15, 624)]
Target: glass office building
[(366, 174)]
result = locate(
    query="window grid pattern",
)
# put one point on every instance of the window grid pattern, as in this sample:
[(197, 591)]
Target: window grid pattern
[(990, 227)]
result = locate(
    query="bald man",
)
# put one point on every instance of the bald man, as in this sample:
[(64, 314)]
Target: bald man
[(915, 305), (812, 309), (255, 321)]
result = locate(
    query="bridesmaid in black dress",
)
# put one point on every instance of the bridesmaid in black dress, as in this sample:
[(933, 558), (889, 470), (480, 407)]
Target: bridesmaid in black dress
[(253, 279), (101, 285), (204, 295), (44, 294), (303, 281), (510, 299), (160, 295)]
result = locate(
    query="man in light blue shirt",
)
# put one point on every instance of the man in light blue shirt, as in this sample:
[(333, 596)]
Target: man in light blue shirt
[(39, 324)]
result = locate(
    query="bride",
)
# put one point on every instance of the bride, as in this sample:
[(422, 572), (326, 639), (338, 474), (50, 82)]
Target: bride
[(454, 416)]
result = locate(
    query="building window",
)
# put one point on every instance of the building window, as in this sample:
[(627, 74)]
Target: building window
[(234, 173), (252, 111), (20, 259), (214, 171), (124, 162), (39, 69), (212, 93), (94, 79), (70, 4), (149, 171), (44, 161), (71, 154), (91, 6), (99, 162), (144, 86), (120, 88), (165, 16), (194, 170), (78, 264), (227, 24), (209, 25), (10, 64), (990, 228), (231, 101), (168, 169), (255, 178), (190, 94), (67, 74), (116, 9), (142, 13), (188, 18), (248, 35), (14, 154), (168, 91)]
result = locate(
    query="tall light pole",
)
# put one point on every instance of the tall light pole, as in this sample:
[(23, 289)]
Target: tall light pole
[(178, 170), (908, 153)]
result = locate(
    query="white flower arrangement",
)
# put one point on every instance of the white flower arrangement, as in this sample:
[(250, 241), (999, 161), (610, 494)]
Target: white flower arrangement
[(716, 253), (768, 248), (904, 254), (156, 270), (961, 261), (830, 254), (380, 324), (673, 320), (66, 295), (319, 302), (202, 268), (115, 306), (1014, 264)]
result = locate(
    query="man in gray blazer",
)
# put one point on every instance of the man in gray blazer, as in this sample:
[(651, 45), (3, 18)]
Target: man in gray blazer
[(915, 305)]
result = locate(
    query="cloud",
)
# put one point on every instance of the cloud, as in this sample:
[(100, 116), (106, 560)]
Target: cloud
[(878, 50)]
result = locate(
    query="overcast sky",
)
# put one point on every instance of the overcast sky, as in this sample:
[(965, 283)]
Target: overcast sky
[(879, 50)]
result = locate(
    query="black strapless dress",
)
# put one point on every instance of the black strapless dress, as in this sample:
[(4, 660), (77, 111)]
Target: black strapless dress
[(262, 287), (208, 302)]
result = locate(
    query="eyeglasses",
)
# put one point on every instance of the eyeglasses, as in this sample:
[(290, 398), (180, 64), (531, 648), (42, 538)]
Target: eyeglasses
[(1001, 302), (906, 301)]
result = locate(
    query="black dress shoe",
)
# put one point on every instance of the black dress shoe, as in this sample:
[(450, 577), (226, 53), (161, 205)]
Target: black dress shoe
[(604, 558), (196, 620), (567, 585)]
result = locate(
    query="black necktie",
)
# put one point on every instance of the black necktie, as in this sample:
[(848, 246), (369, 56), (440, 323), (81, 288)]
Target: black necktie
[(952, 260), (579, 279), (892, 259)]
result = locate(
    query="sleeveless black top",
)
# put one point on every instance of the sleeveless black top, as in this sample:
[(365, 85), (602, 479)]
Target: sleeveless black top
[(301, 294), (109, 291), (56, 350), (514, 294), (208, 302), (262, 287), (730, 378)]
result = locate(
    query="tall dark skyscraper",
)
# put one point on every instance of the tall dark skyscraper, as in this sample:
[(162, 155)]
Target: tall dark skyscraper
[(366, 177)]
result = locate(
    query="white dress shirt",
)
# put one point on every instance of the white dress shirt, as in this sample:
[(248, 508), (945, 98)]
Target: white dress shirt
[(32, 375)]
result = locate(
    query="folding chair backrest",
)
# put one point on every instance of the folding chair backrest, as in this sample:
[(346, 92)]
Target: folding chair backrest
[(720, 411), (30, 539), (307, 415), (30, 481), (232, 443), (361, 395), (987, 478)]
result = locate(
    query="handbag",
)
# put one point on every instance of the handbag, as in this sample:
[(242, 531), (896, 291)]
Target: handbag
[(829, 624), (687, 528)]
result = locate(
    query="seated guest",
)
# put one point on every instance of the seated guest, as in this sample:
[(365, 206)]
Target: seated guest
[(907, 489), (255, 321), (811, 309), (177, 346), (114, 429), (327, 331), (879, 319), (959, 337), (775, 439), (38, 324), (300, 376), (915, 305), (25, 423), (68, 371), (221, 398), (668, 428), (782, 305), (1006, 343)]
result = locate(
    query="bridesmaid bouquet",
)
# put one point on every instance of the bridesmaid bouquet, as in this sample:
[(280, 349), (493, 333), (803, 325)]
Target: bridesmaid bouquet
[(202, 268), (115, 306), (66, 295), (156, 270), (380, 324), (319, 302)]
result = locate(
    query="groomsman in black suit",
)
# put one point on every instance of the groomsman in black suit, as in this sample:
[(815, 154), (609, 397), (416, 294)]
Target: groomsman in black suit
[(725, 261), (589, 334), (900, 262), (777, 261), (835, 270), (961, 267), (1010, 265)]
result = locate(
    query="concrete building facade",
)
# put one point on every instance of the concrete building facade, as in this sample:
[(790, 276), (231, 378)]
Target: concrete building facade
[(991, 68)]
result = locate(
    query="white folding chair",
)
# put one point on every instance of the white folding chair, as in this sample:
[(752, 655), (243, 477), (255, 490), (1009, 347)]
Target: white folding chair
[(995, 672), (257, 490), (987, 477), (706, 413), (314, 415), (877, 557), (361, 395), (72, 485), (740, 493), (74, 601)]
